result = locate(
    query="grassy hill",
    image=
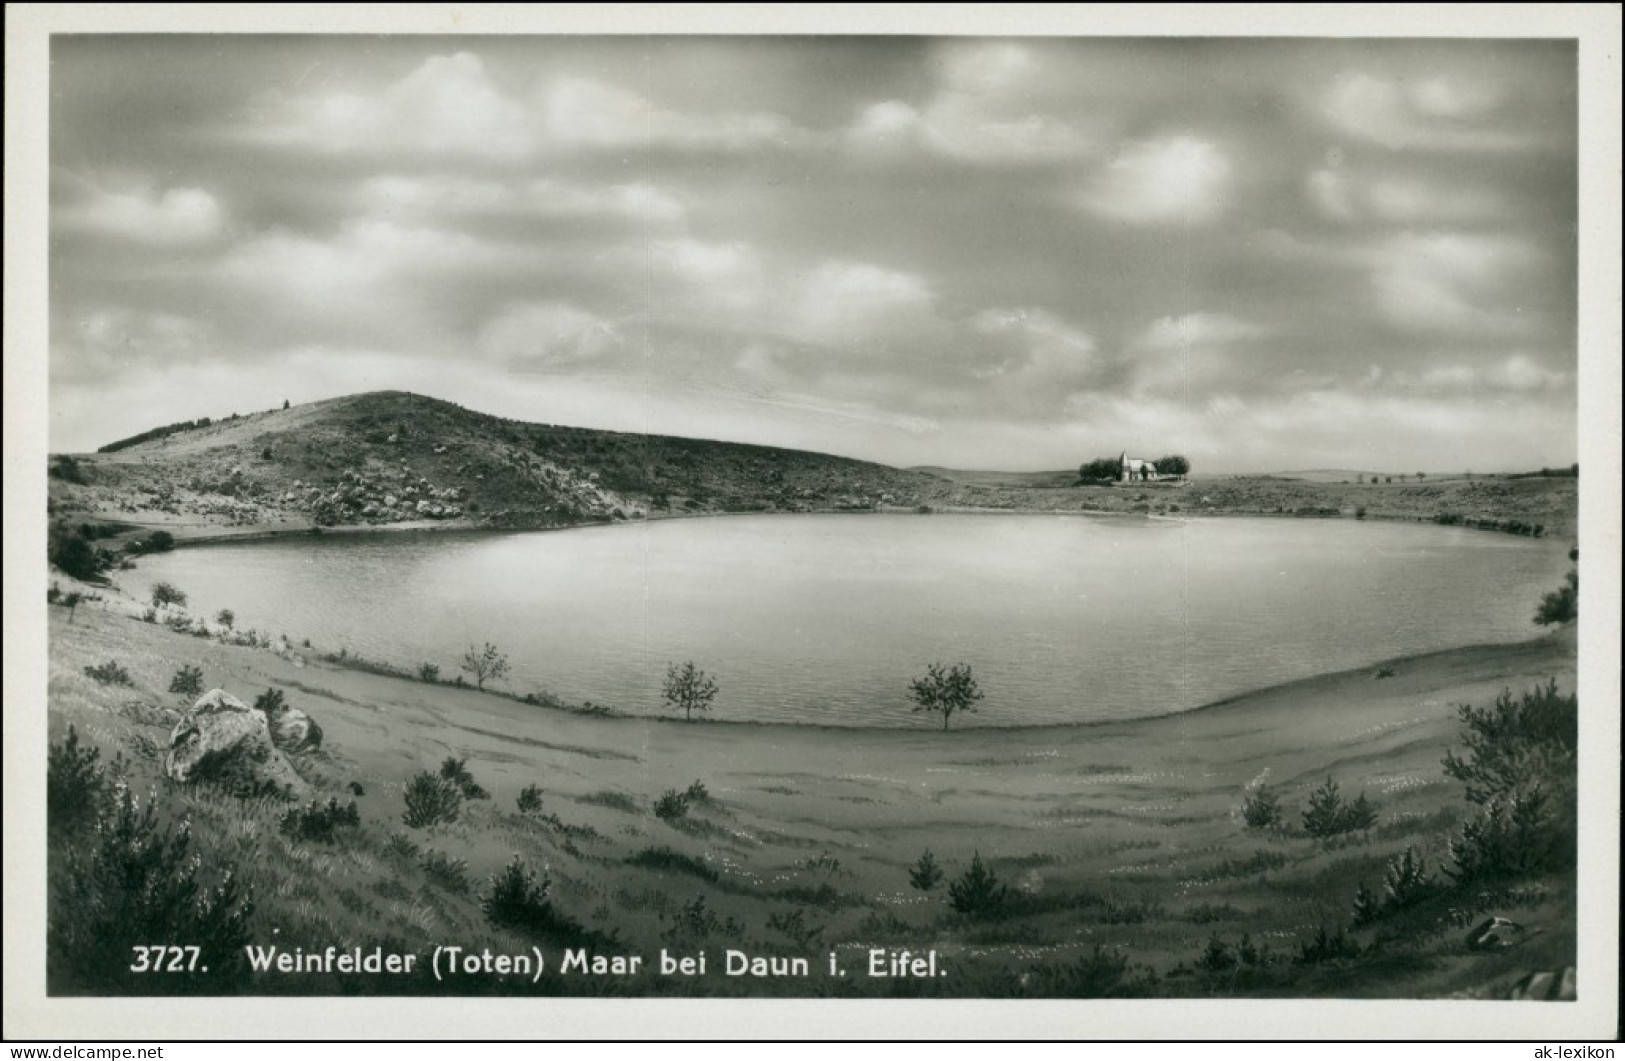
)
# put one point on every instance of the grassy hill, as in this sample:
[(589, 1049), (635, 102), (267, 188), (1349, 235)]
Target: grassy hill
[(391, 457)]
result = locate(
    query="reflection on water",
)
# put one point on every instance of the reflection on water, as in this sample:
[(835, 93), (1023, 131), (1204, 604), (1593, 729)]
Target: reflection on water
[(825, 619)]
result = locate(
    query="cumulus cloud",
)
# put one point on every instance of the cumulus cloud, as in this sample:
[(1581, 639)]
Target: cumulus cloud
[(1443, 112), (987, 107), (179, 217), (700, 274), (584, 112), (1031, 348), (107, 340), (447, 106), (1198, 330), (1452, 283), (451, 195), (1520, 373), (1178, 179), (1399, 199), (1194, 350), (374, 281), (543, 335), (865, 306), (1032, 243)]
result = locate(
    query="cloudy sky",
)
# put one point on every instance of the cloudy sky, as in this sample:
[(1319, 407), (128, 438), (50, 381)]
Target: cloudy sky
[(980, 252)]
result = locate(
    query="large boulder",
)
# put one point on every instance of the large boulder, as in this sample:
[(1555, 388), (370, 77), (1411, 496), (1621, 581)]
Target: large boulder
[(294, 731), (222, 739)]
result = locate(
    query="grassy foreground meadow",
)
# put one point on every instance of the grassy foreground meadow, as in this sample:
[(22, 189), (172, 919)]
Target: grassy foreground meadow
[(1111, 860)]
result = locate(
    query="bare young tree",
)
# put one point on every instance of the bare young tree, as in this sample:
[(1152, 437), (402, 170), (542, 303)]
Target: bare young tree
[(689, 689), (485, 664)]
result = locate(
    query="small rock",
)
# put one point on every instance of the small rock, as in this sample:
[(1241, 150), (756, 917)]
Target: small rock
[(1496, 933), (1554, 986)]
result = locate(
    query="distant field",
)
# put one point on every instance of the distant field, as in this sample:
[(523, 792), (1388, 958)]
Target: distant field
[(1036, 480)]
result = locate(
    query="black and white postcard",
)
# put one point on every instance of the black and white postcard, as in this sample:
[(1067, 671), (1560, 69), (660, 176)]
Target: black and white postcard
[(1041, 508)]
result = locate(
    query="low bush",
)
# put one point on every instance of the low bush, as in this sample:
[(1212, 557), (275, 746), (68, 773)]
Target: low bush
[(1519, 766), (1217, 956), (696, 921), (1562, 605), (1100, 974), (978, 893), (1260, 861), (1518, 743), (109, 673), (1328, 815), (794, 926), (530, 799), (925, 874), (431, 800), (165, 594), (188, 681), (318, 822), (671, 806), (697, 793), (1260, 809), (67, 469), (1406, 881), (455, 772), (518, 901), (667, 860), (74, 782), (73, 554), (1367, 906), (429, 672), (613, 800), (1326, 948), (271, 702), (131, 885), (1511, 838), (450, 873)]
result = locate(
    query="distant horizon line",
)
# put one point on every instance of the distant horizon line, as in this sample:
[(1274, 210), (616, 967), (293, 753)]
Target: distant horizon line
[(869, 460)]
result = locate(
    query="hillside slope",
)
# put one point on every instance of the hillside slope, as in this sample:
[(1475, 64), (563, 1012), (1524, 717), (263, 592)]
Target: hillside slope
[(393, 458)]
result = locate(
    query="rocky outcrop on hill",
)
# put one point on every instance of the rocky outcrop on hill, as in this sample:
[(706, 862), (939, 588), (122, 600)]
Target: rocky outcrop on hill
[(384, 458)]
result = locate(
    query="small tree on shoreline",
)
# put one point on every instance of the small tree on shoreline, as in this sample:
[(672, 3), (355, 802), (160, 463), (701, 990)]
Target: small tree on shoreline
[(1261, 809), (485, 664), (689, 689), (946, 691)]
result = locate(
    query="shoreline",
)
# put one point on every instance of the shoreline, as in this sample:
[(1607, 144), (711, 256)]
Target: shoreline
[(260, 533), (1554, 644)]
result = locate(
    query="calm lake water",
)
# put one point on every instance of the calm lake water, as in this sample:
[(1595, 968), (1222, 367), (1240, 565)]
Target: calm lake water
[(826, 619)]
